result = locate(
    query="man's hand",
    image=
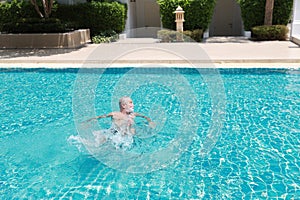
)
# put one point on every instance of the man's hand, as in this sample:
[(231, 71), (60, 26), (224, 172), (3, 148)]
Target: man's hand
[(152, 124)]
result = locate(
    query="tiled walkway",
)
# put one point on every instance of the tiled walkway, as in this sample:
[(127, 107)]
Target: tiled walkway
[(222, 52)]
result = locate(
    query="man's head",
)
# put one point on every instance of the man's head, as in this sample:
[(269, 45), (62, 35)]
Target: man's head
[(126, 104)]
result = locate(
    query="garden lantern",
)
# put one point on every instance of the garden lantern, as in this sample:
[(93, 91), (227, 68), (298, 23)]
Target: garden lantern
[(179, 19)]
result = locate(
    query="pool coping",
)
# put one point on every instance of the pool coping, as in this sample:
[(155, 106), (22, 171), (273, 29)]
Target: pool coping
[(75, 66)]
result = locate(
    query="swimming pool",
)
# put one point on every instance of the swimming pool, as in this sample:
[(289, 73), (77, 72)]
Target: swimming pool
[(255, 154)]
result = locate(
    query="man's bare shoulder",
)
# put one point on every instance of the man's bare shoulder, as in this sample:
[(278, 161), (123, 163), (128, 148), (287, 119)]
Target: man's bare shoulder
[(112, 114), (116, 114)]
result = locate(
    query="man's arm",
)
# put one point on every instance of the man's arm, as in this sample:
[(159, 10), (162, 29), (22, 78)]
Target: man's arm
[(143, 116), (150, 122), (104, 116), (101, 116)]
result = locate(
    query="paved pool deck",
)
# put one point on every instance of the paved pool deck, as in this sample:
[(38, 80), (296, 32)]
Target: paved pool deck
[(221, 52)]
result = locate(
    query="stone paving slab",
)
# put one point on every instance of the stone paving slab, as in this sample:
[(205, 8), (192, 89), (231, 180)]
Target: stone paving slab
[(221, 52)]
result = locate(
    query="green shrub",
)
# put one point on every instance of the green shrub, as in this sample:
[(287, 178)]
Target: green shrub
[(11, 12), (174, 36), (197, 35), (96, 16), (105, 37), (35, 25), (253, 12), (273, 32), (198, 13), (167, 35), (167, 7)]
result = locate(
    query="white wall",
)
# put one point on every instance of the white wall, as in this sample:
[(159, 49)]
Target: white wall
[(141, 22), (295, 32), (131, 17), (71, 2)]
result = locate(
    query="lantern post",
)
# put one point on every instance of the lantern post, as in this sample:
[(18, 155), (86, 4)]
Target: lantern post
[(179, 18)]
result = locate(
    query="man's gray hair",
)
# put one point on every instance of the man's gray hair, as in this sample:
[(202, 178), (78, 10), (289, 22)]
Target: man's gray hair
[(123, 100)]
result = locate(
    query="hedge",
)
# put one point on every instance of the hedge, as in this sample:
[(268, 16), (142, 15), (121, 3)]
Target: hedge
[(198, 13), (253, 12), (11, 12), (273, 32), (97, 16), (168, 36), (35, 25)]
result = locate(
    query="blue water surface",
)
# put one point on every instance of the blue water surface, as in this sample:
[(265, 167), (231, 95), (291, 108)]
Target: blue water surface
[(256, 155)]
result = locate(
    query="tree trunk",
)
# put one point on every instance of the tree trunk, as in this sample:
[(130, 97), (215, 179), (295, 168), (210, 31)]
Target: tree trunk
[(36, 7), (47, 5), (269, 12)]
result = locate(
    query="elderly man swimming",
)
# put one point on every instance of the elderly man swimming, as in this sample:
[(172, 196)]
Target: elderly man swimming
[(123, 120)]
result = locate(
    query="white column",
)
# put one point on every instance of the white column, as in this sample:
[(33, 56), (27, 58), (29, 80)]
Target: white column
[(130, 23), (295, 28)]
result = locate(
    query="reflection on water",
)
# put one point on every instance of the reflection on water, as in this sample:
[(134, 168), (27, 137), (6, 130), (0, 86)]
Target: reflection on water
[(255, 157)]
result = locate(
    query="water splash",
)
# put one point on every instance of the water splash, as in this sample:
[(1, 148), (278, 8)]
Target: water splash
[(106, 137)]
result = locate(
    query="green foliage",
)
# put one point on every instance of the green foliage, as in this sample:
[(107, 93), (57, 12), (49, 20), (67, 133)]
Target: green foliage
[(171, 36), (166, 35), (198, 13), (273, 32), (97, 16), (105, 37), (109, 16), (253, 12), (12, 11), (167, 7), (35, 25), (282, 11), (197, 35)]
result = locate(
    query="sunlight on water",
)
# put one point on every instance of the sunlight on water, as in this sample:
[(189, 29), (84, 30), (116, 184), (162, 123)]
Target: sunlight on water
[(256, 155)]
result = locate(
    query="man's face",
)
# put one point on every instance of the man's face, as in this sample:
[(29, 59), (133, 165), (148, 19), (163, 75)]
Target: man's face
[(129, 107)]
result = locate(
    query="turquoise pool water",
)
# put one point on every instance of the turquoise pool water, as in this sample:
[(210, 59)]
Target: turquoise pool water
[(255, 154)]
